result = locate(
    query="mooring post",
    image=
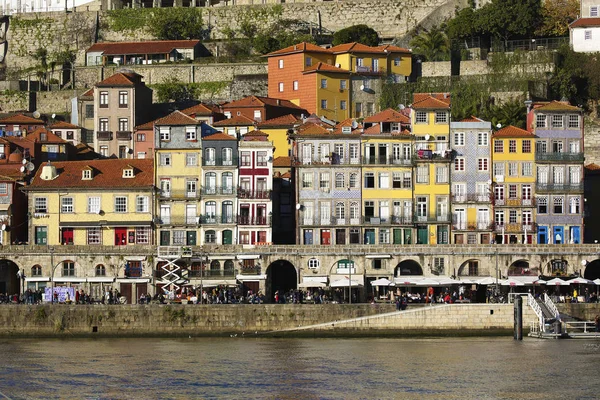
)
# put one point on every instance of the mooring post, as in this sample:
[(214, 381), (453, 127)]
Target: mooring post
[(518, 320)]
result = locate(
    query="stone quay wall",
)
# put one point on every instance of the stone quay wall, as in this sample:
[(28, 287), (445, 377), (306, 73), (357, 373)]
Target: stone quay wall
[(263, 319)]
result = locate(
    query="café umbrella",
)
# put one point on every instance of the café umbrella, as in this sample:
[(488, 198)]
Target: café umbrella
[(557, 282)]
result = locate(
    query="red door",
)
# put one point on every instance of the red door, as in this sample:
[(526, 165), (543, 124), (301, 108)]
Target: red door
[(67, 235), (120, 236), (325, 236)]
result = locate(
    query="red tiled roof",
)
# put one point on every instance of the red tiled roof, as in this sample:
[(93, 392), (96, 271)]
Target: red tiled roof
[(353, 47), (592, 167), (108, 174), (21, 119), (347, 123), (282, 161), (149, 47), (430, 102), (22, 143), (118, 79), (388, 115), (392, 49), (63, 125), (440, 96), (310, 128), (36, 136), (219, 136), (585, 22), (299, 48), (202, 109), (471, 119), (512, 131), (322, 67), (256, 101), (287, 175), (556, 106), (238, 120), (89, 93), (256, 133), (177, 118), (285, 121), (146, 126)]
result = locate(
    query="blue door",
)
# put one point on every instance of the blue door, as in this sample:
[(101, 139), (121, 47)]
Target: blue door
[(558, 235), (308, 236), (370, 236), (542, 235), (575, 234)]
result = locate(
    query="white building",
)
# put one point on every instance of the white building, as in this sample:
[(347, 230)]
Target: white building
[(584, 35), (8, 7)]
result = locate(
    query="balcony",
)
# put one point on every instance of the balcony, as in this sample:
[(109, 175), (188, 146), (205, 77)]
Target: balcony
[(332, 159), (441, 218), (433, 156), (479, 226), (514, 202), (218, 191), (211, 273), (559, 188), (317, 221), (387, 161), (218, 219), (558, 157), (177, 220), (220, 162), (104, 135), (178, 195), (254, 194), (389, 220), (248, 220), (472, 198), (123, 135), (515, 227), (363, 69)]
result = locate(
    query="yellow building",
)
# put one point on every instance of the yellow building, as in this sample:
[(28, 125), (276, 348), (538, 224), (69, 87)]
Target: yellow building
[(513, 163), (332, 95), (387, 183), (430, 118), (278, 130), (385, 60), (96, 202)]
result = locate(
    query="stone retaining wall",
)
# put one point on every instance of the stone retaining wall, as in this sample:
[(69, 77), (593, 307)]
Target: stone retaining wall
[(582, 311)]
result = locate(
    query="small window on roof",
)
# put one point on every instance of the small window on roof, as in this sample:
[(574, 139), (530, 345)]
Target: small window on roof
[(128, 172), (86, 174)]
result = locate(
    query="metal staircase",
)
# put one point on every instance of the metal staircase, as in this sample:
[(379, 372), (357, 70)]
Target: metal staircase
[(174, 276)]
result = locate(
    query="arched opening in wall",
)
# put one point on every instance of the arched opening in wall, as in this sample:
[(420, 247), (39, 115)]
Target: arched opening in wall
[(408, 267), (215, 268), (229, 268), (556, 267), (592, 270), (9, 280), (282, 277), (522, 268), (469, 268)]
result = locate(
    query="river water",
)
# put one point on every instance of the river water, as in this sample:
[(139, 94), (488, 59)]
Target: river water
[(259, 368)]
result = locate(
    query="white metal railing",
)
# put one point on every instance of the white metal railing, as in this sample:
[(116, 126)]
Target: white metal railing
[(538, 311), (551, 306), (512, 296), (582, 325)]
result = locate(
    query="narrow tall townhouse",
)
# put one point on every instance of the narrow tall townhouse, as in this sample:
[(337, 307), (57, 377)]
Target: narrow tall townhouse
[(430, 120), (513, 163), (471, 179), (177, 172), (387, 186), (558, 128)]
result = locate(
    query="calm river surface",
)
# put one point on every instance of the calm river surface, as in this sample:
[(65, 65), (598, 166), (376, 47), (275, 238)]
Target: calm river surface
[(242, 368)]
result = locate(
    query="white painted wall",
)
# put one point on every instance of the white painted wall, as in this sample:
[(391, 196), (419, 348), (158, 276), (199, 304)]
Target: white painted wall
[(27, 6), (580, 44)]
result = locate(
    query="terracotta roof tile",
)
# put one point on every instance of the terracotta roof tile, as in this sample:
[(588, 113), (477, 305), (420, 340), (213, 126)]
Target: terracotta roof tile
[(322, 67), (202, 109), (63, 125), (148, 47), (89, 93), (347, 123), (146, 126), (254, 101), (388, 115), (282, 162), (556, 106), (286, 121), (512, 131), (392, 49), (430, 102), (21, 119), (592, 167), (219, 136), (117, 80), (11, 172), (238, 120), (108, 174), (354, 47), (585, 22), (471, 119), (312, 129), (177, 118), (287, 175), (440, 96), (299, 48), (36, 136)]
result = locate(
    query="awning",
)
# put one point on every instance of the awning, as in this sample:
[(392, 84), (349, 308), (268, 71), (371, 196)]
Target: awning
[(320, 279), (346, 280), (37, 279), (248, 256), (134, 280), (407, 280), (69, 279), (135, 258), (218, 257), (101, 279), (305, 285), (251, 278), (4, 207), (378, 256)]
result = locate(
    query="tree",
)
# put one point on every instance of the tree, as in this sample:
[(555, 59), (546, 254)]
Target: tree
[(556, 15), (507, 19), (176, 23), (356, 33), (512, 112), (464, 24), (174, 90), (431, 45)]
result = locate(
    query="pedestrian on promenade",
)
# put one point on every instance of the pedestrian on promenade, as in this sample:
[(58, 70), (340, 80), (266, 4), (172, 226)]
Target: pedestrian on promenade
[(597, 322)]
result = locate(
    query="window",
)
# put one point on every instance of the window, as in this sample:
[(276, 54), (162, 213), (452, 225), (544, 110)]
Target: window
[(359, 62), (210, 237), (307, 180), (308, 61), (120, 204), (540, 121), (370, 108), (94, 236), (557, 121), (421, 117), (41, 205), (384, 180), (340, 210), (93, 206), (397, 180), (423, 174), (68, 268), (340, 182), (574, 175), (441, 174), (384, 236), (123, 99), (353, 181), (66, 205), (104, 151), (3, 189), (588, 34), (441, 117), (542, 205), (369, 180), (483, 164), (513, 169), (280, 62), (324, 181), (573, 121), (512, 146), (261, 158), (295, 85), (140, 137), (397, 62), (70, 135), (103, 99), (89, 111), (190, 133), (179, 237), (483, 139), (558, 205), (526, 146), (323, 83), (36, 270), (459, 164), (142, 235), (165, 159), (281, 86), (512, 192), (191, 159), (498, 169), (343, 84), (103, 125), (165, 134), (123, 125), (142, 204), (246, 160), (512, 217), (574, 203), (459, 138), (593, 11), (407, 180), (343, 105), (323, 104), (541, 147), (527, 168), (498, 146), (313, 263)]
